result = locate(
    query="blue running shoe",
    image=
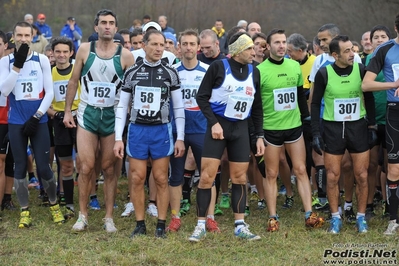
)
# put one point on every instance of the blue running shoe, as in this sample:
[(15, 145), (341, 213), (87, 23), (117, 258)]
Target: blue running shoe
[(361, 224), (282, 190), (335, 225), (94, 204)]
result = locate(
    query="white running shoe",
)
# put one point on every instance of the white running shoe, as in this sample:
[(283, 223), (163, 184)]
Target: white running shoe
[(81, 224), (109, 225), (129, 209), (152, 210)]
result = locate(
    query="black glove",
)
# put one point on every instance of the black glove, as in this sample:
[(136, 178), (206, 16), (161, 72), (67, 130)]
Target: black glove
[(59, 115), (318, 144), (372, 137), (30, 127), (21, 55)]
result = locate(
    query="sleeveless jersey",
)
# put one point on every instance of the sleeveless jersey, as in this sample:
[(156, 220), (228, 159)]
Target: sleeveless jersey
[(279, 86), (60, 83), (343, 96), (190, 79), (233, 99), (28, 92), (101, 79)]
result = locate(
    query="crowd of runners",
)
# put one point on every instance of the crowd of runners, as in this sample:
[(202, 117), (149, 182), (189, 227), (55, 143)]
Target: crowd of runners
[(230, 112)]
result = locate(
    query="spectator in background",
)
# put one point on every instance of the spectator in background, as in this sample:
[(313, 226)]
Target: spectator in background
[(125, 33), (253, 28), (136, 39), (243, 24), (171, 42), (146, 19), (10, 45), (44, 28), (222, 36), (48, 51), (28, 18), (357, 48), (136, 25), (39, 42), (72, 31), (163, 22)]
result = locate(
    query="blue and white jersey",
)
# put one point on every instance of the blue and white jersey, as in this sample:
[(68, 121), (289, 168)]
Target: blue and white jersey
[(190, 81)]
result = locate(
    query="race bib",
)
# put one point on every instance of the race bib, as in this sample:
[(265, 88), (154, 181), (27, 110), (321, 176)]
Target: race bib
[(285, 99), (189, 95), (238, 107), (27, 89), (147, 98), (101, 94), (60, 88), (347, 109)]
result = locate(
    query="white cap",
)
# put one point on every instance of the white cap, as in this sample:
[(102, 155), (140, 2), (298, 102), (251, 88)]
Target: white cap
[(153, 25)]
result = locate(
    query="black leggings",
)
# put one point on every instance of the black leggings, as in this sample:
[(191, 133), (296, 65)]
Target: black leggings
[(41, 147)]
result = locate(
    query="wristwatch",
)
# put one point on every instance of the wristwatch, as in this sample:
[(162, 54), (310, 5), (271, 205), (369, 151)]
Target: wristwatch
[(38, 115)]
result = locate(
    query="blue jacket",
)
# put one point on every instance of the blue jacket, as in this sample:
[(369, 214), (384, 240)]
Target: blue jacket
[(66, 32), (45, 30)]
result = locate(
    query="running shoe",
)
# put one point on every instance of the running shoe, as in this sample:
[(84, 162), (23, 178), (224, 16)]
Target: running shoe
[(273, 224), (160, 233), (350, 216), (289, 202), (174, 225), (45, 200), (8, 205), (247, 212), (369, 214), (218, 211), (138, 231), (392, 228), (361, 225), (152, 210), (335, 225), (314, 220), (25, 220), (225, 201), (58, 217), (244, 233), (261, 204), (69, 213), (94, 204), (62, 200), (81, 224), (34, 183), (254, 196), (184, 207), (129, 209), (320, 206), (282, 190), (212, 226), (109, 225), (198, 234)]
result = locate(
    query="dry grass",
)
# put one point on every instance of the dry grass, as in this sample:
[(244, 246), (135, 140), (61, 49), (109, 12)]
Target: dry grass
[(48, 244)]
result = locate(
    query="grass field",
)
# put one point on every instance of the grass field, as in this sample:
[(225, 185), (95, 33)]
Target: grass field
[(46, 243)]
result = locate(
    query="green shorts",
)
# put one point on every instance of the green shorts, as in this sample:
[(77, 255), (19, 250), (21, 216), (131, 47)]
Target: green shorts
[(100, 121)]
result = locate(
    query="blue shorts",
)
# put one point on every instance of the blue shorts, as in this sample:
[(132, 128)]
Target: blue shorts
[(149, 141)]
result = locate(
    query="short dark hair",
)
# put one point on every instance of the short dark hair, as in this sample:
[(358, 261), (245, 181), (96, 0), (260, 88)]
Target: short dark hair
[(259, 35), (236, 36), (334, 44), (148, 33), (3, 36), (316, 40), (125, 32), (233, 31), (105, 12), (380, 28), (272, 32), (136, 32), (192, 32), (218, 20), (397, 22), (332, 29), (24, 24), (62, 40), (147, 17)]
